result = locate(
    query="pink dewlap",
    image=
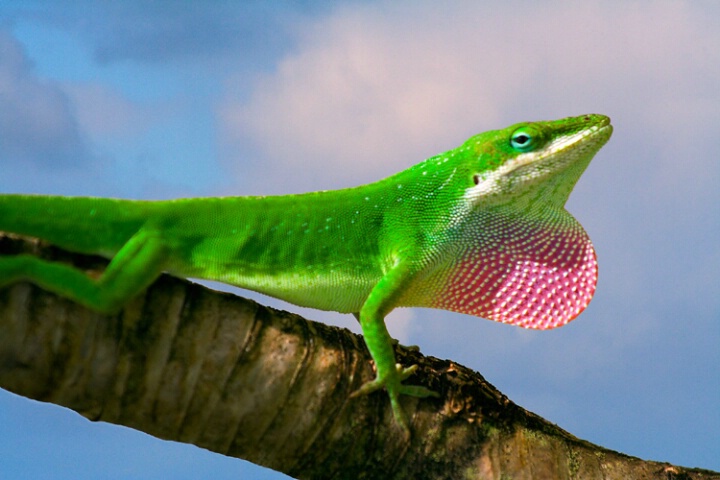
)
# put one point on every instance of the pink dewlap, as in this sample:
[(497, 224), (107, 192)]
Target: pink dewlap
[(530, 276)]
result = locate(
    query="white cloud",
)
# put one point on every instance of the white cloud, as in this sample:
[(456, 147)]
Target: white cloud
[(37, 124), (104, 113)]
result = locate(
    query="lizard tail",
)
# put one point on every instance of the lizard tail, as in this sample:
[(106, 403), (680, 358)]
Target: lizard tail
[(80, 224)]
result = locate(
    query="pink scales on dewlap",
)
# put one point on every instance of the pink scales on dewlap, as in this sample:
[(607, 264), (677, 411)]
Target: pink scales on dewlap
[(532, 274)]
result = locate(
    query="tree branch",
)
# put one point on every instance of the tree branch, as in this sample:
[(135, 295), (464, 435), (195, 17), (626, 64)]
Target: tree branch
[(189, 364)]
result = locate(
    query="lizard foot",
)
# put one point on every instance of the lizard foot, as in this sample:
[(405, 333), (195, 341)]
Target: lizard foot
[(392, 382)]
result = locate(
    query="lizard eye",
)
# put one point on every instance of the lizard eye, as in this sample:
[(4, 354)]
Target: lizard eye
[(522, 139)]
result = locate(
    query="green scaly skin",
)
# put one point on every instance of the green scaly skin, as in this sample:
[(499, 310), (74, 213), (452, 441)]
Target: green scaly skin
[(480, 229)]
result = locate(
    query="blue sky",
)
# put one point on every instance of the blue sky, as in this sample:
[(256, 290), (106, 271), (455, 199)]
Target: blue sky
[(169, 99)]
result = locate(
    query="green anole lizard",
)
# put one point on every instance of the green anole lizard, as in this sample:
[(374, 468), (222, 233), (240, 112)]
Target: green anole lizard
[(480, 229)]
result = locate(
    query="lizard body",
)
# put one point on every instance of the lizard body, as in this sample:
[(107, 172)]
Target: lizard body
[(480, 229)]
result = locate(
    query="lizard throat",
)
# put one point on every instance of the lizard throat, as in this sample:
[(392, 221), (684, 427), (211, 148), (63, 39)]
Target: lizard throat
[(527, 273)]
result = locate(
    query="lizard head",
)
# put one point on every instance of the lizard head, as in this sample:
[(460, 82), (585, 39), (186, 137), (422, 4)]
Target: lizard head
[(533, 163)]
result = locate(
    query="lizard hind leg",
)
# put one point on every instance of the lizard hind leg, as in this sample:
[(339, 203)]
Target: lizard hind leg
[(136, 265)]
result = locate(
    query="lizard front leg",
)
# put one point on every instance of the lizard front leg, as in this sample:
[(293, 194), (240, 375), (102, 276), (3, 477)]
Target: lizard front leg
[(372, 321)]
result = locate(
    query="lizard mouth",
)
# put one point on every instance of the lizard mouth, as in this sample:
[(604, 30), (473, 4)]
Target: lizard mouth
[(583, 142)]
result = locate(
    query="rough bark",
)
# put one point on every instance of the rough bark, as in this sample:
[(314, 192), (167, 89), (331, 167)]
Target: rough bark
[(189, 364)]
